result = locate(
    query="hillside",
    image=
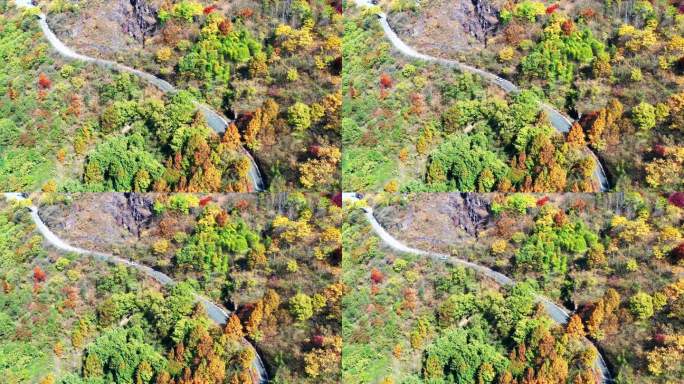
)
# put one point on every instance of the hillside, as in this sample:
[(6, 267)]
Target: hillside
[(605, 75), (248, 62), (260, 260), (614, 261)]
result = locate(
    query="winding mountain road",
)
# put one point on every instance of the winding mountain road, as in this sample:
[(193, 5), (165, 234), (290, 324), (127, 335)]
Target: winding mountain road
[(217, 122), (558, 313), (214, 312), (558, 120)]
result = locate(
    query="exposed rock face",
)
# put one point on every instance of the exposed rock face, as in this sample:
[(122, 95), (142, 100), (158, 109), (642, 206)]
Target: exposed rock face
[(483, 21), (438, 220), (98, 221), (137, 215), (473, 213), (448, 26), (141, 18)]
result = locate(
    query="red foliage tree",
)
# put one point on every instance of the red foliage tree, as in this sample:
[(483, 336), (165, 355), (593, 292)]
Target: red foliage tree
[(659, 150), (336, 256), (385, 80), (222, 218), (205, 200), (568, 27), (552, 8), (246, 12), (588, 13), (39, 275), (225, 27), (679, 64), (337, 199), (376, 276), (209, 9), (242, 204), (72, 297), (75, 105), (677, 199), (660, 338), (315, 150), (337, 4), (541, 202), (678, 253), (43, 81), (317, 340)]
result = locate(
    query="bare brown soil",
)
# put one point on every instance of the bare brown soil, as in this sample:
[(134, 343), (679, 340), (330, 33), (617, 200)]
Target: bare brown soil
[(447, 27)]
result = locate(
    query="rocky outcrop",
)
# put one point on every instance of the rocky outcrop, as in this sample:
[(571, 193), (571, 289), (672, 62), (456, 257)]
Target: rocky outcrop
[(138, 213), (472, 213), (487, 16), (451, 26), (480, 18), (141, 19), (126, 215), (452, 218)]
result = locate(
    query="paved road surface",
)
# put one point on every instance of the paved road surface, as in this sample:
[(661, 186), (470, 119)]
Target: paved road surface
[(215, 313), (559, 314), (217, 122), (558, 120)]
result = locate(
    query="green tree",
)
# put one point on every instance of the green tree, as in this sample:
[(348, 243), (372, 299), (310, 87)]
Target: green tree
[(299, 115), (301, 306), (641, 305), (644, 116)]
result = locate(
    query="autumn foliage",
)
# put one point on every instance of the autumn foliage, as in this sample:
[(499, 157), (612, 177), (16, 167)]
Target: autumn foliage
[(385, 80), (678, 252), (39, 275), (568, 27), (337, 199), (677, 199), (541, 202), (225, 27), (246, 12), (43, 81), (376, 276)]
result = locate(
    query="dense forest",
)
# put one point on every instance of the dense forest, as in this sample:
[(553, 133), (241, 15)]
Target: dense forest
[(273, 67), (421, 126), (614, 260), (272, 260), (614, 66)]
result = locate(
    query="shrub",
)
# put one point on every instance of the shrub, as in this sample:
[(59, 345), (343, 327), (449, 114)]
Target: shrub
[(163, 54), (632, 265), (506, 54), (299, 115), (641, 305), (160, 246), (644, 116), (301, 306), (43, 81), (385, 80), (529, 10), (392, 186), (499, 246), (292, 266), (376, 276)]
